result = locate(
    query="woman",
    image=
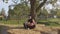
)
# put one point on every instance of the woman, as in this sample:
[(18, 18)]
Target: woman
[(30, 24)]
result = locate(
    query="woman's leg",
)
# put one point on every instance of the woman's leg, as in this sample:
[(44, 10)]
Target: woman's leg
[(32, 27), (25, 26)]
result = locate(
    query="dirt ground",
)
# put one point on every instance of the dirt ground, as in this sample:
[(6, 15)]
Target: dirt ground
[(40, 29)]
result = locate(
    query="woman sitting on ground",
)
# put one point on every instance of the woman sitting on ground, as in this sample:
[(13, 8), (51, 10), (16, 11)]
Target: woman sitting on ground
[(30, 24)]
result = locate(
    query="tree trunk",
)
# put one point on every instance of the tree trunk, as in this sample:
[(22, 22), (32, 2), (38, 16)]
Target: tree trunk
[(33, 12)]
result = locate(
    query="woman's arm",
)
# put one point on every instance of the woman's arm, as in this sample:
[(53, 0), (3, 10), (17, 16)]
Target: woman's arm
[(34, 22)]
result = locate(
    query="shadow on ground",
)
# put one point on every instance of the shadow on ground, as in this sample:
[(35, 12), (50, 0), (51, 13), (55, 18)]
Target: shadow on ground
[(3, 29)]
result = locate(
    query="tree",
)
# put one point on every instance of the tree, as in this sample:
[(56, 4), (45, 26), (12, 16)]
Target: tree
[(3, 12), (11, 12), (21, 9), (35, 9)]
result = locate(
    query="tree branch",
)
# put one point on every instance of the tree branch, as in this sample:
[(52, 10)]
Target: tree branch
[(41, 5)]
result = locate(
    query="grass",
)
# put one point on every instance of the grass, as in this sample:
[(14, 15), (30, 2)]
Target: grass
[(48, 22), (14, 22)]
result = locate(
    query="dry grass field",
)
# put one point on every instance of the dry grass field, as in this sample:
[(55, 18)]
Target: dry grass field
[(40, 29)]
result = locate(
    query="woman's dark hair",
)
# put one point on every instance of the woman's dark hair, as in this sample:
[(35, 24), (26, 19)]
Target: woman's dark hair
[(30, 20)]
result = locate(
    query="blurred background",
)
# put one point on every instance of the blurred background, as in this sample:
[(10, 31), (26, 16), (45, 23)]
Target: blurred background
[(18, 11)]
